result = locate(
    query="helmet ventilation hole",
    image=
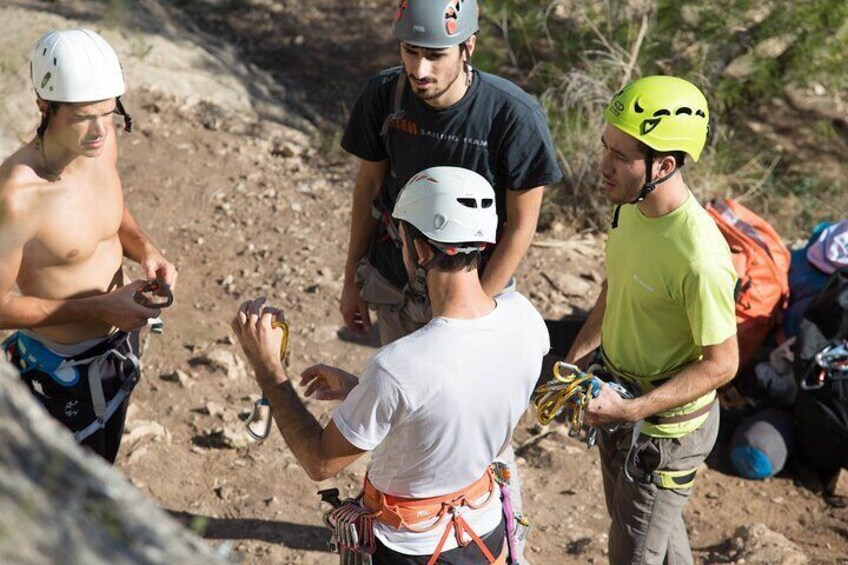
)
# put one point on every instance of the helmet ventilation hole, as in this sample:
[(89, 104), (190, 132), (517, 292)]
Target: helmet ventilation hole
[(687, 111), (467, 202)]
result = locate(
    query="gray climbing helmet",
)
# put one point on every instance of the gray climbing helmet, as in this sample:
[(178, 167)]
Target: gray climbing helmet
[(435, 24)]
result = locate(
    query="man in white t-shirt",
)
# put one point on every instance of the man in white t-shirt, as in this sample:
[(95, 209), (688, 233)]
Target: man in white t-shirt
[(435, 407)]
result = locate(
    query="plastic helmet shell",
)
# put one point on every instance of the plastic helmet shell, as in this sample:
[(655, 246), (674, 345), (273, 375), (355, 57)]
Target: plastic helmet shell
[(449, 205), (76, 65), (665, 113), (435, 24)]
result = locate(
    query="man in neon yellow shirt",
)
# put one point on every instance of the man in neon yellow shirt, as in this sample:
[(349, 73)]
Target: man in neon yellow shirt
[(664, 322)]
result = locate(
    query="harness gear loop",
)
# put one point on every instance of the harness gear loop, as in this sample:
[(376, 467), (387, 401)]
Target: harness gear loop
[(258, 424), (155, 294)]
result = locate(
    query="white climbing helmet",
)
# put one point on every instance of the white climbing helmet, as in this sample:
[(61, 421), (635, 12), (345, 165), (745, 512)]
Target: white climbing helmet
[(75, 65), (449, 205)]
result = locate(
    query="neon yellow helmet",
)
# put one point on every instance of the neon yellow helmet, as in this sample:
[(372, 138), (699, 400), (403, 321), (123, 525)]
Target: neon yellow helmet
[(665, 113)]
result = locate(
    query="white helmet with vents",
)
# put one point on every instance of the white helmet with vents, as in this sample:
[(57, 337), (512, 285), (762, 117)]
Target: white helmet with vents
[(449, 205), (76, 65)]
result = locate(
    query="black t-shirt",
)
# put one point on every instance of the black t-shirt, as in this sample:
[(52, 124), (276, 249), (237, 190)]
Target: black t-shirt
[(496, 129)]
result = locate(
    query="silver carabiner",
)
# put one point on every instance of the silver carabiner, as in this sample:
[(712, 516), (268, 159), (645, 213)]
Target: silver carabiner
[(258, 424)]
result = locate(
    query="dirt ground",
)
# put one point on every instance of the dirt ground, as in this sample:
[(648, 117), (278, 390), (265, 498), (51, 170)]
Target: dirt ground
[(245, 209)]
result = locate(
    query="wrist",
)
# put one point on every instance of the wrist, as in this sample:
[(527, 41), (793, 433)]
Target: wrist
[(270, 376), (633, 410)]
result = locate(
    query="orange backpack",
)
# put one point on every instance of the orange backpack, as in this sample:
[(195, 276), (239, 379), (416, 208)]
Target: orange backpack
[(762, 262)]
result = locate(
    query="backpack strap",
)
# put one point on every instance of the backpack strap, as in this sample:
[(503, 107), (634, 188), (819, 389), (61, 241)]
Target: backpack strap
[(397, 107), (397, 113)]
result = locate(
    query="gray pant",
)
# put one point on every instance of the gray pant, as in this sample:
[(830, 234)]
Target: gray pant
[(647, 521)]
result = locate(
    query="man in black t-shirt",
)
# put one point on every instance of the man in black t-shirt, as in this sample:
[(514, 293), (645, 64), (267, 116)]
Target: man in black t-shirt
[(436, 110)]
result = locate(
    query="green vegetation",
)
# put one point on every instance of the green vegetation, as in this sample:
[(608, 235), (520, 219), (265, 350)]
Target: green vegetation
[(775, 152)]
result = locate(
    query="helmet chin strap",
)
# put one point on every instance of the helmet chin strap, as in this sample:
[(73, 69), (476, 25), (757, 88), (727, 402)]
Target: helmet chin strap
[(418, 281), (650, 185)]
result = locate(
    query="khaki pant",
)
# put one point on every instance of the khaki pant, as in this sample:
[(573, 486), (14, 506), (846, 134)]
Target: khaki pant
[(399, 313), (647, 521)]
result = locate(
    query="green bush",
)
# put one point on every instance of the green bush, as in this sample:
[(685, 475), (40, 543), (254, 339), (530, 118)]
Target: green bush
[(575, 54)]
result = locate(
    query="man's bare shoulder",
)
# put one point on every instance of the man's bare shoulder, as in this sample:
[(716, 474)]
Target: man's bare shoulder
[(22, 189)]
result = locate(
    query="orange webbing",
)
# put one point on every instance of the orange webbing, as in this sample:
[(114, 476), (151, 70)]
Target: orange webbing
[(459, 525), (405, 513)]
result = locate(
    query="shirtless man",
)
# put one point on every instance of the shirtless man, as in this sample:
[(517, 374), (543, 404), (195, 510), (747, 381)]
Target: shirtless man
[(66, 231)]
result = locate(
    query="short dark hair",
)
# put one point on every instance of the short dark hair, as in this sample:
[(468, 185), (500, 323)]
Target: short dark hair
[(444, 262), (52, 107), (679, 156)]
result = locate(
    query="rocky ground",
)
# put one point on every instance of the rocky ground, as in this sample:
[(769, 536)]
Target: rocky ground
[(233, 173)]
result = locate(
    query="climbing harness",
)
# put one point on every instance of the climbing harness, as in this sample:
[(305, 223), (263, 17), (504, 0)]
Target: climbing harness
[(569, 394), (351, 521), (155, 294), (258, 424), (71, 387), (829, 363)]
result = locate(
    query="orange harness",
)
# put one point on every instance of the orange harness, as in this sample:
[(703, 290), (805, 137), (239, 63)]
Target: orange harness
[(407, 513)]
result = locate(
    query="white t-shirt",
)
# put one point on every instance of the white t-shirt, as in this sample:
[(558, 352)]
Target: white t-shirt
[(439, 405)]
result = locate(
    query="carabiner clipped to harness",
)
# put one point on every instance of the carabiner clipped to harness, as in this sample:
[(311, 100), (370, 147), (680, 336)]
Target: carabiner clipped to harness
[(258, 424), (155, 294)]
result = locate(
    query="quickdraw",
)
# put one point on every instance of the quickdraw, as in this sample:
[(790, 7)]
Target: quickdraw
[(569, 393), (155, 294), (517, 524), (352, 528), (258, 424)]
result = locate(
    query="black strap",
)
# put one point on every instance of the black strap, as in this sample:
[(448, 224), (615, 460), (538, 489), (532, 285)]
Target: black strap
[(615, 216)]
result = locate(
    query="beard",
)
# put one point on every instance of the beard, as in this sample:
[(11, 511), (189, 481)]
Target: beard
[(437, 92)]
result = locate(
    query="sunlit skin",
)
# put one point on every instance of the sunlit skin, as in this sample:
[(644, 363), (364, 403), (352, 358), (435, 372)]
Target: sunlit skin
[(622, 166), (66, 231), (78, 130), (437, 76)]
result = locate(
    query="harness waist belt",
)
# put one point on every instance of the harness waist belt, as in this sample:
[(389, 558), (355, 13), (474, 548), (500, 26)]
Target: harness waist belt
[(406, 513), (680, 418), (401, 513)]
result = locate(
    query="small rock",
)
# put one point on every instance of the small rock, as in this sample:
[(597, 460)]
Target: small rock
[(179, 376), (758, 545), (839, 485), (577, 546), (145, 428), (214, 409), (231, 364)]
